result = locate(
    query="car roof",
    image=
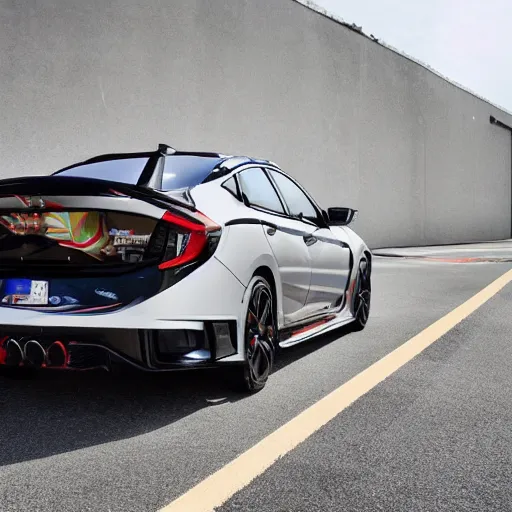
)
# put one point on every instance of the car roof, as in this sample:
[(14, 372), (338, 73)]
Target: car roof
[(204, 166), (221, 162)]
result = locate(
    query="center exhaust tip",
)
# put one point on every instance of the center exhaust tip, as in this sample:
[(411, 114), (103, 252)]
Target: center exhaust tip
[(34, 353)]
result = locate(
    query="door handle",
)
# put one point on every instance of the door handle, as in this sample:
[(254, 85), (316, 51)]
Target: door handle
[(310, 240)]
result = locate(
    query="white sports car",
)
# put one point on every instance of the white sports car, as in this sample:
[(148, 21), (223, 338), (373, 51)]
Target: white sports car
[(167, 260)]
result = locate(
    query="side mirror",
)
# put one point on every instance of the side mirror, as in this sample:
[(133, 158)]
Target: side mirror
[(341, 216)]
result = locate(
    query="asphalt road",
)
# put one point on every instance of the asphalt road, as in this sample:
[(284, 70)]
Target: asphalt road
[(434, 436)]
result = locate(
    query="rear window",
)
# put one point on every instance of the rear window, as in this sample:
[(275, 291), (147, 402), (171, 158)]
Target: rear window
[(184, 171), (179, 171), (122, 170)]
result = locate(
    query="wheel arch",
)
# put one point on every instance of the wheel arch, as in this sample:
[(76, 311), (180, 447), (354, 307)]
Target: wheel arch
[(369, 258), (267, 273)]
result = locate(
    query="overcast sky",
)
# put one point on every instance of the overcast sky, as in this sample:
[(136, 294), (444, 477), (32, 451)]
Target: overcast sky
[(469, 41)]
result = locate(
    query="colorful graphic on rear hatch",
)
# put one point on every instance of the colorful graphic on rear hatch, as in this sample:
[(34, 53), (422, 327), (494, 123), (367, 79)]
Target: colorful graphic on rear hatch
[(100, 235), (75, 238), (86, 231)]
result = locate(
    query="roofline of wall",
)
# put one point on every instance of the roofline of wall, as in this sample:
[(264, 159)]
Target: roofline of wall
[(352, 26)]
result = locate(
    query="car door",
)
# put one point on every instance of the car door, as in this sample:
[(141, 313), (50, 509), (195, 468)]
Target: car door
[(286, 238), (329, 255)]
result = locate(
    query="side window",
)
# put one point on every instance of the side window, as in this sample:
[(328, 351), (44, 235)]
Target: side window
[(230, 185), (259, 191), (298, 203)]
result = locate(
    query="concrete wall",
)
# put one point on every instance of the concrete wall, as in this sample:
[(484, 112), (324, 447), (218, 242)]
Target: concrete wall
[(356, 123)]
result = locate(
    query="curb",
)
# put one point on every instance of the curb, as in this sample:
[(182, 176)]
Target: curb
[(444, 259)]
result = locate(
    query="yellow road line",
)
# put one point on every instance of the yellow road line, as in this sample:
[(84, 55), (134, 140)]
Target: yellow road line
[(220, 486)]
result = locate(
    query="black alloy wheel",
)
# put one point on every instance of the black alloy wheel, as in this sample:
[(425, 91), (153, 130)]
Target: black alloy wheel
[(260, 338), (362, 296)]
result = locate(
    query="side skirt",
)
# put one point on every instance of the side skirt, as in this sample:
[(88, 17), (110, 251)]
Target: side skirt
[(317, 327)]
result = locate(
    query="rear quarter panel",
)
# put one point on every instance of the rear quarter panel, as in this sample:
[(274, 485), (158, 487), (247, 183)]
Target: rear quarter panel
[(243, 248)]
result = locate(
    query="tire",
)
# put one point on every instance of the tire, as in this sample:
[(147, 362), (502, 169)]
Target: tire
[(362, 296), (260, 335)]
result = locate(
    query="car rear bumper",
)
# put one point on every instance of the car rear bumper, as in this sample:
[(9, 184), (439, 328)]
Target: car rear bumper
[(146, 349), (195, 323)]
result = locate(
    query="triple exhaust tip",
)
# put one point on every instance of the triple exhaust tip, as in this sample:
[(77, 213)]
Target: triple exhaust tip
[(34, 354), (56, 354), (14, 354)]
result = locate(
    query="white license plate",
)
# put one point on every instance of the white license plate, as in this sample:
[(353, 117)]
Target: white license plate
[(38, 294)]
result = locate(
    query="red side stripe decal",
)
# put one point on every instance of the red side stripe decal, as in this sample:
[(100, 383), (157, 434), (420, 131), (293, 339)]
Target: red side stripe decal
[(313, 325)]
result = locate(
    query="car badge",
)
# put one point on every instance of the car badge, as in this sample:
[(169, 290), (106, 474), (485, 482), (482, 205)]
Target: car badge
[(106, 294), (36, 202)]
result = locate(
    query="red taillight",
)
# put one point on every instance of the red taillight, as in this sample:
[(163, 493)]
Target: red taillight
[(189, 240)]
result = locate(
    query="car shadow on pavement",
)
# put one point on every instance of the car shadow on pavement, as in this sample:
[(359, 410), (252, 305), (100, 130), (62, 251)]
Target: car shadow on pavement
[(60, 412), (292, 354)]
